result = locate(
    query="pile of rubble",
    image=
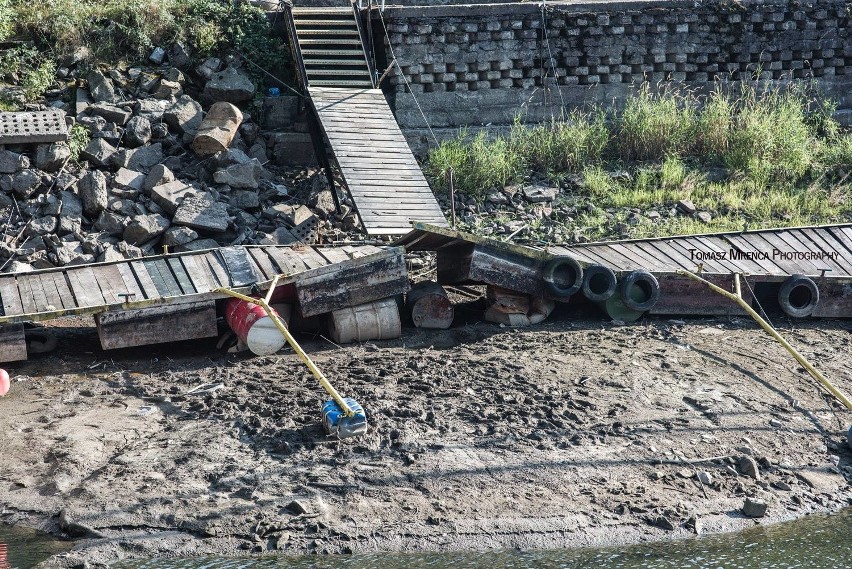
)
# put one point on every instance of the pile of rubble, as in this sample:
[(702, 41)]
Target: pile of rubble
[(144, 182)]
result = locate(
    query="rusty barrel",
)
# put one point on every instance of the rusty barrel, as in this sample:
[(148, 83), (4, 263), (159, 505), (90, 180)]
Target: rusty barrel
[(429, 306), (251, 325), (377, 320)]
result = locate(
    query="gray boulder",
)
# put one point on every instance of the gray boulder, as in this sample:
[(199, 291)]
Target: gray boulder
[(141, 159), (176, 236), (111, 113), (25, 182), (11, 162), (101, 87), (98, 152), (110, 223), (137, 132), (93, 192), (143, 228), (171, 195), (245, 175), (51, 157), (203, 214), (184, 115)]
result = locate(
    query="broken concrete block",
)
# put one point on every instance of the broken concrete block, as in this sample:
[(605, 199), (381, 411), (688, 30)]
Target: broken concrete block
[(159, 174), (111, 113), (141, 159), (176, 236), (25, 182), (137, 132), (217, 130), (539, 194), (246, 175), (231, 85), (199, 245), (280, 236), (129, 179), (202, 213), (170, 195), (110, 223), (143, 228), (98, 152), (167, 90), (244, 199), (101, 87)]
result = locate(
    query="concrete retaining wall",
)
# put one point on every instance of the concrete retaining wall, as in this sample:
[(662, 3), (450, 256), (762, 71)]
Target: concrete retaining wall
[(484, 64)]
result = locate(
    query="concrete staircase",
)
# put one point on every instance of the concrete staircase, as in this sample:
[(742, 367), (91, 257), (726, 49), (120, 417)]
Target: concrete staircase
[(332, 50)]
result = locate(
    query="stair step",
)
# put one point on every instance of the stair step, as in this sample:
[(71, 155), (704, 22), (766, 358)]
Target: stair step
[(356, 72), (352, 61), (325, 32), (336, 23), (340, 83), (321, 11), (325, 52), (323, 43)]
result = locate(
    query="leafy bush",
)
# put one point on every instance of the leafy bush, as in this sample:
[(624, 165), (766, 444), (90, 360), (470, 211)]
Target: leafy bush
[(32, 70), (78, 139)]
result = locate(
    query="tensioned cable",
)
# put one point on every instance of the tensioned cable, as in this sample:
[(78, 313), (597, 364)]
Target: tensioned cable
[(405, 80), (550, 53)]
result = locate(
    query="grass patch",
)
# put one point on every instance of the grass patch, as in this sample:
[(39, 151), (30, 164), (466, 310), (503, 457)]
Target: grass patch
[(753, 158)]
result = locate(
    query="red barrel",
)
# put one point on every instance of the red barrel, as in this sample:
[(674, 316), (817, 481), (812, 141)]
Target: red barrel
[(251, 325)]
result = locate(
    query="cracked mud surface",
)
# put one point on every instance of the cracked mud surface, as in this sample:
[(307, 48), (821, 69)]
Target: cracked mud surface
[(569, 433)]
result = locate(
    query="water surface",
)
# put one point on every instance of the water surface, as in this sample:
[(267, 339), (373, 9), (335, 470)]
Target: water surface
[(818, 542), (22, 548)]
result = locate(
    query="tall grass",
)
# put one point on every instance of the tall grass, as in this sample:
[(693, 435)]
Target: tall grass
[(654, 125)]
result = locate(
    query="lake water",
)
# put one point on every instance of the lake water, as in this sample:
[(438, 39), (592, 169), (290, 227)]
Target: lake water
[(21, 548), (817, 542)]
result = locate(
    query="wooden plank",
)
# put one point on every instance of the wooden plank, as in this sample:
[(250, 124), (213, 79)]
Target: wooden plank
[(11, 297), (662, 257), (156, 324), (310, 257), (159, 281), (217, 266), (168, 278), (60, 283), (744, 266), (333, 254), (831, 245), (199, 273), (263, 262), (85, 287), (240, 267), (145, 281), (700, 251), (13, 343), (110, 282), (744, 246), (180, 275), (288, 263), (792, 241), (28, 299), (639, 257), (129, 279)]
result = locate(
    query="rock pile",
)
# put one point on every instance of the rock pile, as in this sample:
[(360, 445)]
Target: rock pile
[(139, 185)]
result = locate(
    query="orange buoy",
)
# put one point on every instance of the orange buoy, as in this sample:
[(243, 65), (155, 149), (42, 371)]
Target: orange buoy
[(4, 382)]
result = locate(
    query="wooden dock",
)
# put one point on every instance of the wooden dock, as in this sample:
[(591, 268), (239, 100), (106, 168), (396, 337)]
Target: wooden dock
[(162, 290), (765, 258)]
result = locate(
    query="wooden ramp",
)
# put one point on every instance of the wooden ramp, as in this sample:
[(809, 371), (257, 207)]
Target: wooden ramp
[(383, 178)]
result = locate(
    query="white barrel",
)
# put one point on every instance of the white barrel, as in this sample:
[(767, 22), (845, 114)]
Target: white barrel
[(378, 320)]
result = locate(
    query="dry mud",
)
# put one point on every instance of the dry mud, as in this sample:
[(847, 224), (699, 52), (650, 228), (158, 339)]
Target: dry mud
[(570, 433)]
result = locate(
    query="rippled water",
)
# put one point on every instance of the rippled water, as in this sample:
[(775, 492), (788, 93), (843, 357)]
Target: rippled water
[(22, 548), (819, 542)]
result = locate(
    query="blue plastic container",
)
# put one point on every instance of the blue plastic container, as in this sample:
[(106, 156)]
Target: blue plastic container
[(335, 421), (274, 92)]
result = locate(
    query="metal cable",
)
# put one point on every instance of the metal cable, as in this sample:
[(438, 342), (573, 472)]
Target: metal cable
[(405, 80), (754, 296), (550, 53)]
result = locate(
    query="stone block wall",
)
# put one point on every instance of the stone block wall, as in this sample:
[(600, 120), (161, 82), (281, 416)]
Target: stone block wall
[(479, 64)]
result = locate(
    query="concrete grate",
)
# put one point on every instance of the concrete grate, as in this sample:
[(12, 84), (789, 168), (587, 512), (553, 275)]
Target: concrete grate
[(30, 127)]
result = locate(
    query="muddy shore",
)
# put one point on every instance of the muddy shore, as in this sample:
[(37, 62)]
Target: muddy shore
[(570, 433)]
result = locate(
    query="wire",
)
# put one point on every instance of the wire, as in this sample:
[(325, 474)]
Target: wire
[(754, 296), (241, 54), (405, 80), (550, 53)]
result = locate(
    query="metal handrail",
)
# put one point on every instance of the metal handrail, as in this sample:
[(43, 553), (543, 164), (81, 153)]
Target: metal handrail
[(368, 57), (295, 48)]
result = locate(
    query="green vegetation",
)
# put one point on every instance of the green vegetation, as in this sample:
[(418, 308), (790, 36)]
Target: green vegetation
[(129, 29), (755, 157), (78, 139)]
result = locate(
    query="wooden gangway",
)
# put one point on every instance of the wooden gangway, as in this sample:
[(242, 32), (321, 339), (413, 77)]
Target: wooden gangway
[(386, 183), (351, 115)]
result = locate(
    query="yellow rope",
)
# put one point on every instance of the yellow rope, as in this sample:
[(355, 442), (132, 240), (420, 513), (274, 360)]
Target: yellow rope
[(771, 331), (264, 303)]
